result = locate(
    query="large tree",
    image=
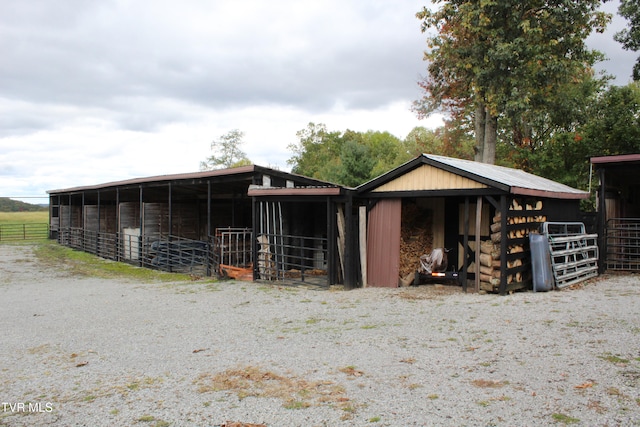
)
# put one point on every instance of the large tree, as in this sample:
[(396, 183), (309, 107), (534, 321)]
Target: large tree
[(227, 152), (630, 37), (503, 59), (348, 158)]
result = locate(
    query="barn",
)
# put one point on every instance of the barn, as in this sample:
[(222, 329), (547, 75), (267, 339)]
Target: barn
[(483, 214), (618, 211), (192, 222), (258, 223)]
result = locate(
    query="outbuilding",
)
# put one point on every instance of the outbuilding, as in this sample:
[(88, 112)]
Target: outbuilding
[(192, 222), (618, 218), (481, 213)]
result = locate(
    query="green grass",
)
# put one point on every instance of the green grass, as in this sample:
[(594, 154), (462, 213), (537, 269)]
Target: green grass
[(614, 359), (84, 264), (24, 217), (564, 419)]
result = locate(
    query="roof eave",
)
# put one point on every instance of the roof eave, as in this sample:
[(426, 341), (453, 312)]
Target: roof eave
[(549, 194), (294, 191)]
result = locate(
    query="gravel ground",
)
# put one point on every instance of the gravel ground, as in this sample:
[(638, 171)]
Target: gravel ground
[(80, 351)]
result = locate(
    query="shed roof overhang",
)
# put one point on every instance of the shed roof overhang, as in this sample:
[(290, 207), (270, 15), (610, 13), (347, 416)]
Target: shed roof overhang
[(262, 191), (464, 177), (616, 160), (244, 175)]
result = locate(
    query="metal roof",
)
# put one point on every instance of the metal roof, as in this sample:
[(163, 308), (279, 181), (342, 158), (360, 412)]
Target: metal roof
[(511, 180), (623, 158), (239, 172)]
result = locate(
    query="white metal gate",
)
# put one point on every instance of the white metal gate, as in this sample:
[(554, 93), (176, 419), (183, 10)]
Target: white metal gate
[(574, 253)]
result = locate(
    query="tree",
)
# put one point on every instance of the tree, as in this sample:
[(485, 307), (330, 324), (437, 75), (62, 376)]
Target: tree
[(611, 126), (226, 152), (630, 37), (315, 153), (348, 158), (357, 164), (614, 126), (497, 59)]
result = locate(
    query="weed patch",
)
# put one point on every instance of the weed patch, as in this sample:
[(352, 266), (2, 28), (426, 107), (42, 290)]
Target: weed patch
[(564, 419), (296, 393)]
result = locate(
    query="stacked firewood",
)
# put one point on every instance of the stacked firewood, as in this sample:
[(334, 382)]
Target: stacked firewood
[(490, 257), (416, 237)]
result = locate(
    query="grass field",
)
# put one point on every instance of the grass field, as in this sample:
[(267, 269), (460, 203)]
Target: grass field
[(24, 217)]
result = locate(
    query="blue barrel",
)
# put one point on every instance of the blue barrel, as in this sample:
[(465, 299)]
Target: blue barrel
[(541, 263)]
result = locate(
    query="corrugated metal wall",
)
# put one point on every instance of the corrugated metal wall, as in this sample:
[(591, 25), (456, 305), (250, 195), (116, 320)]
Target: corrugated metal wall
[(383, 243)]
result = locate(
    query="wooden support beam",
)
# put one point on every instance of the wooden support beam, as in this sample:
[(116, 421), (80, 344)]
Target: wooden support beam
[(478, 225), (465, 245), (362, 228)]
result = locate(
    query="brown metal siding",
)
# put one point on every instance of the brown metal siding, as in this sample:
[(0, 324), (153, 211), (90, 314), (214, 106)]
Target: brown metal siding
[(383, 243)]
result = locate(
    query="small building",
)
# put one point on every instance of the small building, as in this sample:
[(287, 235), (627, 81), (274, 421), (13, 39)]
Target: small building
[(482, 213), (191, 222), (271, 225), (618, 217)]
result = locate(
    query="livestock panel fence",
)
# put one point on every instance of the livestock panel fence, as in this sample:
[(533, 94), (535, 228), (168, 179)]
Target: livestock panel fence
[(28, 231), (280, 257), (623, 244)]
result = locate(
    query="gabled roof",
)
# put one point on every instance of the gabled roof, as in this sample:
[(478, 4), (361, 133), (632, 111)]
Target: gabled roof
[(513, 181)]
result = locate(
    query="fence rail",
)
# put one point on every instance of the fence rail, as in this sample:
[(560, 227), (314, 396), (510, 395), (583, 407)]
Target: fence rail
[(574, 253), (29, 231), (623, 244), (159, 252), (280, 257)]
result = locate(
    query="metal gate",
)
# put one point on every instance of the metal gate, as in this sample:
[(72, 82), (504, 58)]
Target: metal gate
[(574, 253), (623, 244)]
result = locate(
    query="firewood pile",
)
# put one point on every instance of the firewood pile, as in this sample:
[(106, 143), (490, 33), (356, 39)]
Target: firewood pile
[(416, 237), (521, 219)]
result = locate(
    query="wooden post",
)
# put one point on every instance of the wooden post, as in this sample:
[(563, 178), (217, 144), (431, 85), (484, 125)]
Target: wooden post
[(503, 245), (478, 224), (362, 226), (341, 238), (465, 244)]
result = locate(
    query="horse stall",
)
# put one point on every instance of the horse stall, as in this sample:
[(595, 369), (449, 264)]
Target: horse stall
[(166, 222), (478, 215), (301, 235)]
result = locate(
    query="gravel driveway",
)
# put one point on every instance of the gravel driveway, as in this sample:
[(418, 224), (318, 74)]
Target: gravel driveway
[(80, 351)]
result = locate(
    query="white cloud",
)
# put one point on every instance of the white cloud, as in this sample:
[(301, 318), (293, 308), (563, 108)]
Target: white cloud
[(93, 92)]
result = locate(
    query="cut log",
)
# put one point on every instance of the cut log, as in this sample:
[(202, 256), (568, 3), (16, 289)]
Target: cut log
[(495, 227), (516, 249), (486, 286), (496, 237), (486, 260), (485, 277), (486, 270)]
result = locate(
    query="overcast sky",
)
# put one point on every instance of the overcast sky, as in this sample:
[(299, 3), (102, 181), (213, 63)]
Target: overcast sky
[(97, 91)]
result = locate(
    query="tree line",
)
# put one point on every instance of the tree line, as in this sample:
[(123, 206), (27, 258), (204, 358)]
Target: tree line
[(517, 85)]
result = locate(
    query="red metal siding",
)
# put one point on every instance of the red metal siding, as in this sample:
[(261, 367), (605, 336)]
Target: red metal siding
[(383, 243)]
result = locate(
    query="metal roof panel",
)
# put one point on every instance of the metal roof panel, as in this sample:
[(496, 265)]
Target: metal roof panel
[(519, 182)]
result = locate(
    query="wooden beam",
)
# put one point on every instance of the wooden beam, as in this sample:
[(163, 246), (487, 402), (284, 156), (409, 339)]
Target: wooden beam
[(465, 245), (362, 226), (477, 237)]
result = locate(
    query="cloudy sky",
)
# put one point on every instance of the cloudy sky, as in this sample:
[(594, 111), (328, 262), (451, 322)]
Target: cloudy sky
[(97, 91)]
